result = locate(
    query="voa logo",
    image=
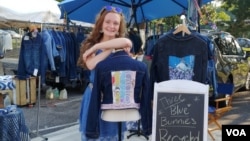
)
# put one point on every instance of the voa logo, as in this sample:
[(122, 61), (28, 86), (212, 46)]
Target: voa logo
[(236, 132)]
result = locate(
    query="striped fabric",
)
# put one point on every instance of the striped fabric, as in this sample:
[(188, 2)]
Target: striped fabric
[(6, 82)]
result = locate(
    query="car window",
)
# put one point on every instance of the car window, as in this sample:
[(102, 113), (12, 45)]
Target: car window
[(228, 45), (244, 42)]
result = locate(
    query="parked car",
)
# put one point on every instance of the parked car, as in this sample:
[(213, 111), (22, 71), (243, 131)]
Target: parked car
[(230, 62), (245, 44)]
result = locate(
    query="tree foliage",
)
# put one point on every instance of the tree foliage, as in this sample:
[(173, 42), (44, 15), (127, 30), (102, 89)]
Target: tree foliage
[(212, 16), (240, 9)]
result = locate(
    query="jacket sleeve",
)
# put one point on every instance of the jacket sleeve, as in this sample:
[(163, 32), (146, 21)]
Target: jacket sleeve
[(93, 117), (153, 71), (145, 106), (21, 71)]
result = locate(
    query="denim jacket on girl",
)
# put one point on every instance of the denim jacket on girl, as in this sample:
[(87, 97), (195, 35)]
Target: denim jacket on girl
[(120, 83)]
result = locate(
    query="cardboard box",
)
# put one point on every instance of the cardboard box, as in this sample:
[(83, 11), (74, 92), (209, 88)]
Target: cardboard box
[(25, 91)]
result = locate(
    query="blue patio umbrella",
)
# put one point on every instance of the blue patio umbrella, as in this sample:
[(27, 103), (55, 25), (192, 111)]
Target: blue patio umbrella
[(184, 3), (136, 11)]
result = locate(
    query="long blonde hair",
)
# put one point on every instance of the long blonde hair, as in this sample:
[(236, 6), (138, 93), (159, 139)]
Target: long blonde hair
[(95, 35)]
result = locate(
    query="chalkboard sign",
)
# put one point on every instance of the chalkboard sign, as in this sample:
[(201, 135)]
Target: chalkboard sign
[(180, 111)]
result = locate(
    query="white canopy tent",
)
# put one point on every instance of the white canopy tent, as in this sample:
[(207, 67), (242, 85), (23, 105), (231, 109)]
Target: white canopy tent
[(17, 13), (6, 14)]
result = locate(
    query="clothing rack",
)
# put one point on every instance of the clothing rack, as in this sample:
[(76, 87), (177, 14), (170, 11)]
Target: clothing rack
[(64, 26), (38, 109), (51, 25), (38, 117)]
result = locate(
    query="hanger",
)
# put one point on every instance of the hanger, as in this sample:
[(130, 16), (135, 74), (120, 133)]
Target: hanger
[(182, 28)]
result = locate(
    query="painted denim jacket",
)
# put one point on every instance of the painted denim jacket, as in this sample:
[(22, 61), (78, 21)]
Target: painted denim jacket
[(120, 83)]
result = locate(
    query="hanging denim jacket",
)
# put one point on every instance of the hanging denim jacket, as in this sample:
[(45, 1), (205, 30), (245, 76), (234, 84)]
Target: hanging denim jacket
[(178, 57), (29, 58)]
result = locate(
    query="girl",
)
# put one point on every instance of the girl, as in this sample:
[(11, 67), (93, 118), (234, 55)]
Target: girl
[(108, 34)]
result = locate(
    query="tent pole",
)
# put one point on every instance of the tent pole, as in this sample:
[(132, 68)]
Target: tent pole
[(199, 3)]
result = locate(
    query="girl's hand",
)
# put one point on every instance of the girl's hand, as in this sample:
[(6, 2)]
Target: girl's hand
[(127, 49)]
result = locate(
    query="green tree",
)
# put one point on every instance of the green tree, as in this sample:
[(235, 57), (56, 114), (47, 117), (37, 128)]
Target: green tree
[(213, 15), (240, 10), (167, 23)]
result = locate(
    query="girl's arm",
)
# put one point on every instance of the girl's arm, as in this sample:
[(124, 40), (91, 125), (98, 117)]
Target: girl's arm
[(91, 59), (114, 44)]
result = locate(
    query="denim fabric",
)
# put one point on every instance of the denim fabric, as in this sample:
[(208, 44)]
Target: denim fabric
[(105, 135), (72, 57), (211, 69), (54, 50), (67, 49), (59, 44), (62, 49), (80, 37), (29, 58), (119, 61), (48, 45), (63, 54), (44, 65), (44, 56), (149, 45), (178, 46), (69, 46), (137, 42)]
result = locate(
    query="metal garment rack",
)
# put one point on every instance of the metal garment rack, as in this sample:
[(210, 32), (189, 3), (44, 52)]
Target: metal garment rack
[(39, 104), (38, 117), (38, 110)]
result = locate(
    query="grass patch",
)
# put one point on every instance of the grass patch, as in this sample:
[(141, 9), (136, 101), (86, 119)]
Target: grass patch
[(16, 43)]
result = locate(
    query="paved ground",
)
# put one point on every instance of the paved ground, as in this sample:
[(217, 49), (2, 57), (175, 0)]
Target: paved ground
[(53, 115), (239, 115)]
